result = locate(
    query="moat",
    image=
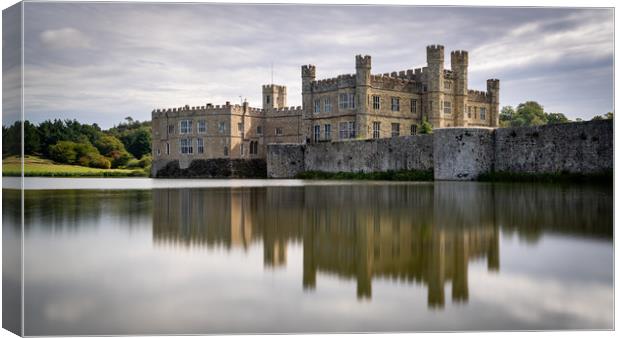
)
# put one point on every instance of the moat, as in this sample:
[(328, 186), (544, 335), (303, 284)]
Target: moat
[(191, 257)]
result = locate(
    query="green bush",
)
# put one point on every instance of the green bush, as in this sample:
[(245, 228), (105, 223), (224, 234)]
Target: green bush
[(63, 152), (84, 154), (132, 164)]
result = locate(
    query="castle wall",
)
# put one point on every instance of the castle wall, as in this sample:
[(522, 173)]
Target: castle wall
[(460, 153), (578, 147), (398, 153)]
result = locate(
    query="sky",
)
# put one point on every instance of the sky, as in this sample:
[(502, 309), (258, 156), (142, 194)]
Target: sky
[(102, 62)]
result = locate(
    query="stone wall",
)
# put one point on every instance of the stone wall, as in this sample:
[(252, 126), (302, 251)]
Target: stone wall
[(463, 153), (285, 160), (579, 147), (459, 153), (397, 153), (212, 168)]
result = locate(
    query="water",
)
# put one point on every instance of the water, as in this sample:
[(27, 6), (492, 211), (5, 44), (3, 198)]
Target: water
[(316, 258)]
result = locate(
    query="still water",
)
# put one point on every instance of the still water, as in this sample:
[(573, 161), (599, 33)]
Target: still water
[(318, 258)]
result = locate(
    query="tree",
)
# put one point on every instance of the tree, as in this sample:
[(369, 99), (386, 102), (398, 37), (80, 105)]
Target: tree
[(138, 141), (506, 116), (530, 113), (607, 116), (426, 127), (554, 118)]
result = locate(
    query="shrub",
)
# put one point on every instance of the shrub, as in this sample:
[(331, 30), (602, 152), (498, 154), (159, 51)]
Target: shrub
[(84, 154), (119, 158), (63, 152)]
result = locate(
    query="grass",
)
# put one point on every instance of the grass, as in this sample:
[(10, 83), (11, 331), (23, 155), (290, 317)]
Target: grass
[(400, 175), (559, 177), (36, 166)]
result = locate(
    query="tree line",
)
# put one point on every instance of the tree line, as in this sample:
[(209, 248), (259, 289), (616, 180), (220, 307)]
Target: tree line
[(126, 145), (531, 113)]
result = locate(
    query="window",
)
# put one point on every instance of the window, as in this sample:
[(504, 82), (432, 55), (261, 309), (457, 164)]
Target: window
[(259, 130), (225, 151), (317, 106), (200, 145), (221, 127), (376, 129), (317, 133), (240, 128), (343, 130), (469, 112), (185, 126), (167, 148), (395, 104), (267, 99), (158, 151), (376, 102), (346, 101), (328, 131), (475, 112), (447, 85), (279, 131), (253, 148), (483, 113), (447, 107), (414, 106), (327, 102), (351, 129), (241, 149), (186, 146), (395, 129), (202, 126), (170, 129), (414, 129)]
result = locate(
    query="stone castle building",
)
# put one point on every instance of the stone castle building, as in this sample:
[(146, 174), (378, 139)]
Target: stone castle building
[(352, 106)]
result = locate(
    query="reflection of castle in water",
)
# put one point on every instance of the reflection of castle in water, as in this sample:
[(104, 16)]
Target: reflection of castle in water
[(419, 233)]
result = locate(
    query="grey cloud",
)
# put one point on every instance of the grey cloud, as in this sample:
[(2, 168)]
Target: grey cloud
[(143, 56)]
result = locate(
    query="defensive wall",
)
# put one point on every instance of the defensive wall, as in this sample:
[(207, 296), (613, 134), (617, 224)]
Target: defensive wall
[(459, 153)]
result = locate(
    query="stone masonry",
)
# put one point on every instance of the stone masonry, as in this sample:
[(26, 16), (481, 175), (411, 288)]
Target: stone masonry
[(461, 153)]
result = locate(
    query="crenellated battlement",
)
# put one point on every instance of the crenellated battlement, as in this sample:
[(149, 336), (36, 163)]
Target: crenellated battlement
[(308, 71), (459, 58), (478, 96), (341, 81), (284, 111), (362, 61), (434, 48)]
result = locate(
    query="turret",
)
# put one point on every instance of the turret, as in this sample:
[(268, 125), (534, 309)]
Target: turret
[(274, 96), (362, 70), (362, 92), (434, 59), (493, 93), (308, 74), (459, 61), (434, 99)]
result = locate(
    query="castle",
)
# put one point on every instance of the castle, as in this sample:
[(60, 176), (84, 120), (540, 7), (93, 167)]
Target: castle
[(351, 106)]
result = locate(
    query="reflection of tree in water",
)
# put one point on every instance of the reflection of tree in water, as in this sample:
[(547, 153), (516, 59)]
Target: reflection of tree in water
[(417, 233), (70, 210)]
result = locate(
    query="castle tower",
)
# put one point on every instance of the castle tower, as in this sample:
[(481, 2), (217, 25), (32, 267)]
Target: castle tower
[(434, 102), (493, 92), (362, 91), (274, 96), (459, 61), (308, 75)]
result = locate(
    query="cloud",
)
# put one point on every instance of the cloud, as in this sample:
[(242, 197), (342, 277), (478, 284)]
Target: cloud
[(65, 38), (148, 56)]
